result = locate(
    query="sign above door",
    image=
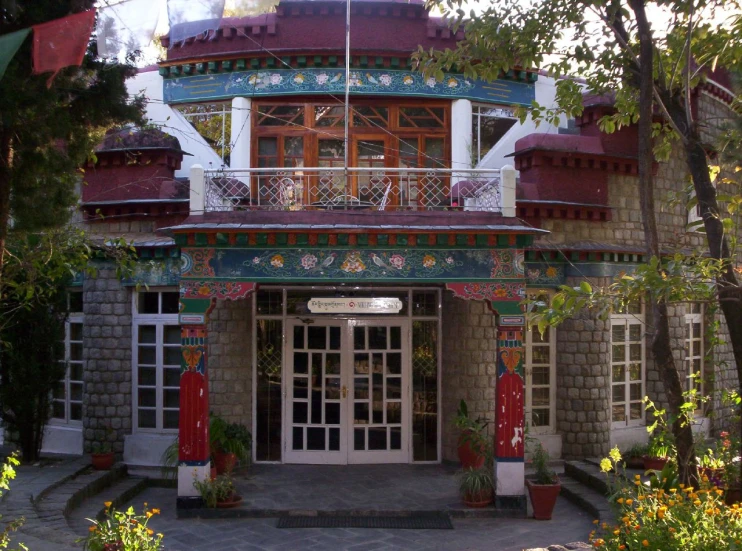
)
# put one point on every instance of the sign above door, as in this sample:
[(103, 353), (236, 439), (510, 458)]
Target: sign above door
[(354, 305)]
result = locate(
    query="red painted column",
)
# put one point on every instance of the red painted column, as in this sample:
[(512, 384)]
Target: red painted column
[(509, 413), (193, 433)]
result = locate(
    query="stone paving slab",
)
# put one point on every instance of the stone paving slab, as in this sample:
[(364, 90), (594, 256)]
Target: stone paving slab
[(260, 534)]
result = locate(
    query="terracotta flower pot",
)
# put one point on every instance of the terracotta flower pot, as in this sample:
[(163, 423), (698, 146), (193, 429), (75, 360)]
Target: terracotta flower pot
[(234, 501), (469, 457), (102, 461), (478, 500), (543, 498), (655, 463), (224, 462)]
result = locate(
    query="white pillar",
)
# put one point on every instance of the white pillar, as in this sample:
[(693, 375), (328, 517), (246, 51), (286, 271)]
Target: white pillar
[(507, 190), (461, 138), (240, 133), (198, 189)]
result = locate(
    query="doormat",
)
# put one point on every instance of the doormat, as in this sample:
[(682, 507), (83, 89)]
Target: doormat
[(432, 522)]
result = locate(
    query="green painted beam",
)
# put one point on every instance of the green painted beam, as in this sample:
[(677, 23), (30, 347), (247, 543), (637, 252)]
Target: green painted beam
[(227, 65), (240, 65)]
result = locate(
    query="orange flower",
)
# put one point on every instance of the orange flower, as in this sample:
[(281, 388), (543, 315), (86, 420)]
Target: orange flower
[(150, 531), (155, 511), (92, 529), (645, 543), (107, 504)]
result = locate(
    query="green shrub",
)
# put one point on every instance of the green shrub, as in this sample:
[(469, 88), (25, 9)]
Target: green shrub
[(670, 516)]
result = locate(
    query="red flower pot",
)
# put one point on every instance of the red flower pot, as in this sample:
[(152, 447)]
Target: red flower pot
[(655, 463), (468, 456), (478, 500), (102, 461), (543, 498), (224, 462)]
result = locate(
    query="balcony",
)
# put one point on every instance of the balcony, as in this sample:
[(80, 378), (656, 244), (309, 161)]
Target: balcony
[(353, 189)]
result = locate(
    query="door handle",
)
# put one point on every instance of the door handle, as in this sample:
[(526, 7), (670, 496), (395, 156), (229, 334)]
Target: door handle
[(344, 390)]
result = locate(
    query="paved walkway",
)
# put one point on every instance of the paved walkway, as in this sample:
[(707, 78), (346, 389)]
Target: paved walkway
[(469, 534), (42, 493)]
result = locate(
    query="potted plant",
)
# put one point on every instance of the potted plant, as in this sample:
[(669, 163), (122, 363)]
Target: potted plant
[(476, 486), (229, 443), (544, 486), (473, 445), (659, 449), (102, 458), (634, 456), (218, 492)]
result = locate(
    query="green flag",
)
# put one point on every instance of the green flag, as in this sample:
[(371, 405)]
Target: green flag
[(9, 44)]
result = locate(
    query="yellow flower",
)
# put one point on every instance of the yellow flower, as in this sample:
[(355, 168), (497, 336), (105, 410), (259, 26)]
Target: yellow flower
[(619, 500), (645, 543), (697, 502), (149, 514), (671, 502), (596, 521), (681, 486), (637, 476), (638, 482), (640, 498), (709, 511), (150, 531), (673, 490), (625, 519), (107, 504), (661, 512), (616, 532), (155, 511)]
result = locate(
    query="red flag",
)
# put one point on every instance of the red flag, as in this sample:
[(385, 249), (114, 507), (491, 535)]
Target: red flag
[(61, 42)]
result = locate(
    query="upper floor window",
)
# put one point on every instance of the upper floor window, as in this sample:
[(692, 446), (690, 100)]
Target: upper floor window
[(213, 122), (156, 360), (67, 397), (489, 125), (627, 365)]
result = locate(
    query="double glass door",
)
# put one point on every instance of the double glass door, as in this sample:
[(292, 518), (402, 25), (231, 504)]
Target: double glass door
[(347, 391)]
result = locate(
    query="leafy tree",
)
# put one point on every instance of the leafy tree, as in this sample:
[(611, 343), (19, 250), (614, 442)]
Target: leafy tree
[(619, 49), (46, 133), (33, 295)]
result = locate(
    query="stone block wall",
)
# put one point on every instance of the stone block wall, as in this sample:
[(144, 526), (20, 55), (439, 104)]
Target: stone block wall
[(469, 366), (106, 407), (230, 361), (583, 379)]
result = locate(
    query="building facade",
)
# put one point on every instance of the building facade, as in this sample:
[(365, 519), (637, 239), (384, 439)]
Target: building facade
[(340, 297)]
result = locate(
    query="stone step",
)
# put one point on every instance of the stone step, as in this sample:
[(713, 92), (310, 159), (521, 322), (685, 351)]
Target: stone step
[(587, 498), (52, 503), (93, 506), (589, 474)]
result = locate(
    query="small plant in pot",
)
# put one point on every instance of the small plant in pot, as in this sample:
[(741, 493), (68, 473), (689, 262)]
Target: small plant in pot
[(229, 442), (634, 457), (544, 486), (218, 492), (473, 444), (102, 457), (476, 486), (659, 451)]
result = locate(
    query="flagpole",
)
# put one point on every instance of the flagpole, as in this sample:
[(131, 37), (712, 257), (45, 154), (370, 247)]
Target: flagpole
[(347, 96)]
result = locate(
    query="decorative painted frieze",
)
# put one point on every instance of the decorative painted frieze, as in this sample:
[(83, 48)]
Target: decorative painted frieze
[(311, 81), (261, 265)]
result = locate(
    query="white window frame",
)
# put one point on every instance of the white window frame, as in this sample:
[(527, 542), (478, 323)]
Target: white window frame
[(159, 321), (529, 343), (627, 320), (73, 318), (694, 348), (495, 112)]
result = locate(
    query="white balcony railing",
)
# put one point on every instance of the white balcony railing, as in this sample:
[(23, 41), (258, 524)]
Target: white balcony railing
[(353, 189)]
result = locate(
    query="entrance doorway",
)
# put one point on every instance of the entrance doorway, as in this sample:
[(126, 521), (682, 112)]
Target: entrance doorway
[(347, 391)]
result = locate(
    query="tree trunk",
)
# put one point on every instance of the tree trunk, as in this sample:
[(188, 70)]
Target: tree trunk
[(661, 344), (728, 289), (6, 160)]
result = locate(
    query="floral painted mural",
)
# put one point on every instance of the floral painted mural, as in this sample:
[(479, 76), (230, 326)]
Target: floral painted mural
[(328, 264)]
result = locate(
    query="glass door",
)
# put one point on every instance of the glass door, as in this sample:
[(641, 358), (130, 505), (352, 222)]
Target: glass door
[(380, 393), (315, 404), (372, 187)]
